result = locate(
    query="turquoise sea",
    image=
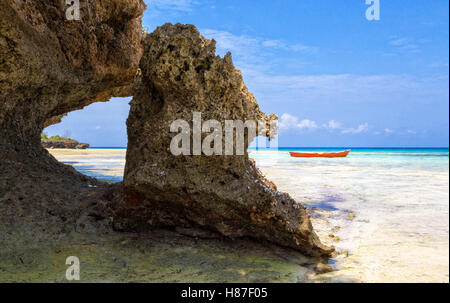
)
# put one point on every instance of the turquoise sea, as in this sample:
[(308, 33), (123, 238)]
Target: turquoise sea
[(385, 210)]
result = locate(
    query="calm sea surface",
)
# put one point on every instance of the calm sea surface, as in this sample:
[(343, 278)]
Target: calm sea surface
[(385, 210)]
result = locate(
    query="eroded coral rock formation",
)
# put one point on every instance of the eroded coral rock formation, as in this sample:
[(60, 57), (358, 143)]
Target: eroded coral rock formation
[(82, 146), (227, 194), (50, 66), (65, 144)]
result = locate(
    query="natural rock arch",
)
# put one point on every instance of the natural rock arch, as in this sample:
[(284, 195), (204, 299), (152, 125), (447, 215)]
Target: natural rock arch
[(52, 66)]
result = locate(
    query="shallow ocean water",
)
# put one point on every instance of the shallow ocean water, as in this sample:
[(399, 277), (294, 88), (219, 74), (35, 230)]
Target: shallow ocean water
[(385, 210)]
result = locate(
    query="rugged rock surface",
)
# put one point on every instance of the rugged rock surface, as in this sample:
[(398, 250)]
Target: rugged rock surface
[(82, 146), (69, 144), (50, 66), (54, 120), (66, 144), (180, 75)]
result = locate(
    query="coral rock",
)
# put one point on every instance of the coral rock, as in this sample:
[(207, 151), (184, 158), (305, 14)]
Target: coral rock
[(227, 194), (82, 146), (50, 66), (68, 144)]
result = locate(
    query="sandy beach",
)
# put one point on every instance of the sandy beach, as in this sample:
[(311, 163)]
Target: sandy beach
[(386, 212)]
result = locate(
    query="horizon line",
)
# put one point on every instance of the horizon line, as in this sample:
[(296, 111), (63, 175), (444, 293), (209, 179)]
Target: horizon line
[(344, 147)]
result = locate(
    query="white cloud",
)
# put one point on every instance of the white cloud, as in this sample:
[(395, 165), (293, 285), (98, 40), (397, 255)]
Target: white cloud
[(399, 42), (273, 43), (333, 125), (289, 122), (278, 44), (240, 46), (360, 129), (405, 45), (302, 48), (244, 47), (350, 88), (255, 58), (307, 124)]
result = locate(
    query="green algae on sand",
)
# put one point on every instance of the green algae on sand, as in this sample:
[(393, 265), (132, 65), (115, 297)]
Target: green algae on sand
[(162, 256)]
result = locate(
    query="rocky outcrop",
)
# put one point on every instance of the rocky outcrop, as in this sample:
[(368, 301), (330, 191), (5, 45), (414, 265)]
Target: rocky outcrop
[(68, 144), (227, 194), (65, 144), (54, 120), (82, 146), (50, 66)]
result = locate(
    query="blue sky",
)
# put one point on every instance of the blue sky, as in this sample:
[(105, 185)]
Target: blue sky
[(333, 77)]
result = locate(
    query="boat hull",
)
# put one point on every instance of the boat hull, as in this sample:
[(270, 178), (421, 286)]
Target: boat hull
[(320, 155)]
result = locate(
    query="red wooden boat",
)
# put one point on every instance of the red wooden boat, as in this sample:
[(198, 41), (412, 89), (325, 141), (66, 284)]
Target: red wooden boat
[(321, 155)]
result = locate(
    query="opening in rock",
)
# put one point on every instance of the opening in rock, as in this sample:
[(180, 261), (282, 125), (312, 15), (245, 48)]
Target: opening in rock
[(102, 126)]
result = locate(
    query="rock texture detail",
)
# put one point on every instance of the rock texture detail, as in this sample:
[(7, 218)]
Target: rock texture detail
[(227, 194)]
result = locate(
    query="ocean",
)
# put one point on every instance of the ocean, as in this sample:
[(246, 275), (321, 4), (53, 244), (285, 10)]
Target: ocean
[(385, 210)]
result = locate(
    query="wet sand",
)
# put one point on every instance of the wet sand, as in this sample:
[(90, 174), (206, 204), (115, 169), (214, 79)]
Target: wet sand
[(387, 215)]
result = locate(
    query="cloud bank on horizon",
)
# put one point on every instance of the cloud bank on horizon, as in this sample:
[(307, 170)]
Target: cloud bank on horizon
[(334, 78)]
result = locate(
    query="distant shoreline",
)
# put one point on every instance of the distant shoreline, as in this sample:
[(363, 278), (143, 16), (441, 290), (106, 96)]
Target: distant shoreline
[(319, 148)]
